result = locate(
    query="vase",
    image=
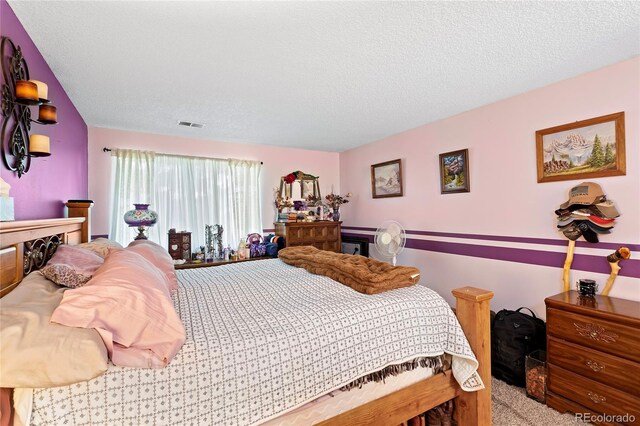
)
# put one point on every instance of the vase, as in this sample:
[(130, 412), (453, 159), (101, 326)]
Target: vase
[(336, 215)]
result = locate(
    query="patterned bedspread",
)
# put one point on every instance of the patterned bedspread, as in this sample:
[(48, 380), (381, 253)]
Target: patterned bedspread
[(263, 338)]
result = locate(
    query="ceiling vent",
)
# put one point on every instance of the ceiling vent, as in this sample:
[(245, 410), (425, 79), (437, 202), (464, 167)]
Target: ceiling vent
[(190, 124)]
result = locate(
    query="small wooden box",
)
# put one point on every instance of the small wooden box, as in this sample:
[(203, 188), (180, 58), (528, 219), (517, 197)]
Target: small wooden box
[(180, 245)]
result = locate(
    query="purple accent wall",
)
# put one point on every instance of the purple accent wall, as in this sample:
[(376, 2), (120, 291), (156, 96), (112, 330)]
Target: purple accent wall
[(51, 181)]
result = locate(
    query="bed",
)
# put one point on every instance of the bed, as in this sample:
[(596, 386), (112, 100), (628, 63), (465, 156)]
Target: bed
[(207, 309)]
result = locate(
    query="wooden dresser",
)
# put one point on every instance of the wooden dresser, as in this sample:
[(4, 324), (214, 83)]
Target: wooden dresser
[(324, 235), (593, 354)]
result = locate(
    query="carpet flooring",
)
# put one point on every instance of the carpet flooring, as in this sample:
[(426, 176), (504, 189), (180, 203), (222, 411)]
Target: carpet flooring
[(512, 407)]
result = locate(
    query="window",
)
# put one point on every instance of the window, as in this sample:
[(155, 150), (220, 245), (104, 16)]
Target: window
[(188, 193)]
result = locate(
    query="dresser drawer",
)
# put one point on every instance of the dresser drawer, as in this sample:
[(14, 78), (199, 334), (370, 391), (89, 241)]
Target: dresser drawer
[(601, 367), (591, 394), (322, 235), (595, 333), (563, 405)]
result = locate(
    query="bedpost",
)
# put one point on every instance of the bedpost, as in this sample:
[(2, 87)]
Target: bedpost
[(81, 208), (472, 309)]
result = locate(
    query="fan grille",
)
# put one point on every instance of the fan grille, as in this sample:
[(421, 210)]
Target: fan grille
[(390, 239)]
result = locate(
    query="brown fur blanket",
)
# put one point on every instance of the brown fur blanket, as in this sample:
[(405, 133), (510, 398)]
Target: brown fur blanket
[(368, 276)]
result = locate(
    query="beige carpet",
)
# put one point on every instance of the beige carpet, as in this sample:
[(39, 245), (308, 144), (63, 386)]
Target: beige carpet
[(512, 407)]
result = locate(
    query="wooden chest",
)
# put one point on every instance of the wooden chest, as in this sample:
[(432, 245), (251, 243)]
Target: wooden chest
[(593, 354), (180, 245), (324, 235)]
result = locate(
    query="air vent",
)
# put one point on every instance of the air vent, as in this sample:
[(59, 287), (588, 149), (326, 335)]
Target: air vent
[(190, 124)]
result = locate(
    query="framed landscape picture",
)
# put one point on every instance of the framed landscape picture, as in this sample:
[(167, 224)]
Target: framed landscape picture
[(585, 149), (386, 179), (454, 172)]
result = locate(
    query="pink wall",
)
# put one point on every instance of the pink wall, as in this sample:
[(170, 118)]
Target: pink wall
[(277, 162), (505, 198), (53, 180)]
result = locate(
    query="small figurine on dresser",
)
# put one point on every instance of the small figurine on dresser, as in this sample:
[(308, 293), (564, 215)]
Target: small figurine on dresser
[(200, 255)]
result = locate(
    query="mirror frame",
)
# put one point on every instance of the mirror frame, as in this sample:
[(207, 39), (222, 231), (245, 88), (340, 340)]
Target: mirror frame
[(286, 189)]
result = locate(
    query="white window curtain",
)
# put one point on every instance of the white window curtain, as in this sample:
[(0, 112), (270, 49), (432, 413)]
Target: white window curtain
[(133, 182), (244, 196), (191, 192)]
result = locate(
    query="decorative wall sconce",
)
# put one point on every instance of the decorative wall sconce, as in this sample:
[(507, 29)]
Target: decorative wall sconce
[(17, 95)]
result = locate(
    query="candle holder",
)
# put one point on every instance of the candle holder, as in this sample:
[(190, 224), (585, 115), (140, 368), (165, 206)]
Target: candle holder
[(587, 288), (17, 95)]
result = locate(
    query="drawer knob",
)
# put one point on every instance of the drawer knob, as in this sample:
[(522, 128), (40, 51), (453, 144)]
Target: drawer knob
[(596, 398), (595, 366), (595, 332)]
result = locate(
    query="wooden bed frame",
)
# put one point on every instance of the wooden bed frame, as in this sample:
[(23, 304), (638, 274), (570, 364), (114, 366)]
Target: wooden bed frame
[(25, 245)]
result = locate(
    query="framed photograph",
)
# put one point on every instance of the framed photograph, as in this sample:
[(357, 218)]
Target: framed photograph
[(386, 179), (454, 172), (582, 150)]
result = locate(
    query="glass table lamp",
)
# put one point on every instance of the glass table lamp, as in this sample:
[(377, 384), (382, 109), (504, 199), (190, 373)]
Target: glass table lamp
[(141, 217)]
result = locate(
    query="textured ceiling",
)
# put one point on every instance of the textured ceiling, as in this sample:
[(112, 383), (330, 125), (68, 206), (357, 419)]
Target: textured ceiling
[(320, 75)]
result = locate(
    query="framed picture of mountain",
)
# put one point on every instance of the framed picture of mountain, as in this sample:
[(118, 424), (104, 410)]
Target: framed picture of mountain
[(386, 179), (582, 150), (454, 172)]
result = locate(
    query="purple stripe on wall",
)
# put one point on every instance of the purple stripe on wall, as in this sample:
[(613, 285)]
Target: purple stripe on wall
[(582, 262), (268, 231), (527, 240)]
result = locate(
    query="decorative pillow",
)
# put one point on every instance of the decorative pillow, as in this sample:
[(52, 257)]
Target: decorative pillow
[(129, 303), (72, 266), (159, 257), (38, 354), (100, 246)]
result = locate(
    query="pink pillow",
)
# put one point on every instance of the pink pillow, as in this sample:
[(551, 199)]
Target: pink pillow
[(159, 257), (71, 266), (128, 302)]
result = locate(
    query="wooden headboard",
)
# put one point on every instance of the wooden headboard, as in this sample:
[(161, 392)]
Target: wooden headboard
[(27, 245)]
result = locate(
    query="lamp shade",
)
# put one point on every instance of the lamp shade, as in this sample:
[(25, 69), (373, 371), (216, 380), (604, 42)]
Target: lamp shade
[(47, 114), (43, 90), (27, 92), (141, 217), (39, 146)]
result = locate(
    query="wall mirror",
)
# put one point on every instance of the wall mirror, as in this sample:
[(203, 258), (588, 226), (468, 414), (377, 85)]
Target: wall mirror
[(299, 186)]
